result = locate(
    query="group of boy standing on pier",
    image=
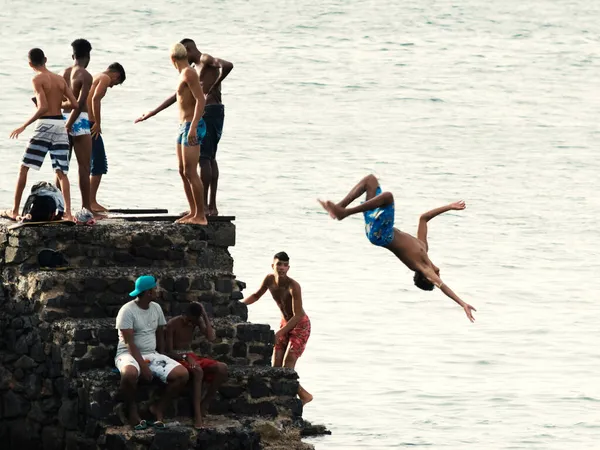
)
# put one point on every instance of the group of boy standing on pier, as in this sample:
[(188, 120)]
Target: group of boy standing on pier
[(68, 118)]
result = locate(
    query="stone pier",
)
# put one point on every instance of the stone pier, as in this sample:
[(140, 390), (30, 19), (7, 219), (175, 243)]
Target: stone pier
[(58, 384)]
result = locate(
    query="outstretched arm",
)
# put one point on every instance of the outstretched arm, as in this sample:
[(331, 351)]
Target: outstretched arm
[(164, 105), (258, 294), (433, 277), (42, 106), (442, 209), (426, 217)]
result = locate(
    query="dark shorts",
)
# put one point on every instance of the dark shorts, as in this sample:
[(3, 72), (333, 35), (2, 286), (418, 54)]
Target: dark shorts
[(214, 116), (99, 163)]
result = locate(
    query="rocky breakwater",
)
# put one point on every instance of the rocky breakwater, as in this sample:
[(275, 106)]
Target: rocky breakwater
[(58, 387)]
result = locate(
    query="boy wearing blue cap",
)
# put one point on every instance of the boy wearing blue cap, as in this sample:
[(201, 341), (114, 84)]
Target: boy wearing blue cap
[(141, 325)]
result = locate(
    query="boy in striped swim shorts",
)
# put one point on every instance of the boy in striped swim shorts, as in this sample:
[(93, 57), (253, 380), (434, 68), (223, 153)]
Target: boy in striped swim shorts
[(50, 134)]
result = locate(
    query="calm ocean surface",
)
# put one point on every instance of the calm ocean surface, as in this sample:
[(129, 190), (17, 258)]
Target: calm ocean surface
[(496, 103)]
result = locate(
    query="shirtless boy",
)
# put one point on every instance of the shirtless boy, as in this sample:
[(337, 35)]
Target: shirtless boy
[(192, 129), (80, 82), (180, 332), (211, 71), (113, 76), (291, 339), (50, 135), (378, 210)]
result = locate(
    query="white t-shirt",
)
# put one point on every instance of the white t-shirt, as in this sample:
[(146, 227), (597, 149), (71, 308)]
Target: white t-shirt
[(144, 323)]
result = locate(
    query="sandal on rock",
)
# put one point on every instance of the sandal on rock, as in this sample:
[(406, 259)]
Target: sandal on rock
[(143, 425)]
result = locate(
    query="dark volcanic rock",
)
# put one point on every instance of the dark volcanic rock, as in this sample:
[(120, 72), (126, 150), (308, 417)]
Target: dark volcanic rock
[(13, 405)]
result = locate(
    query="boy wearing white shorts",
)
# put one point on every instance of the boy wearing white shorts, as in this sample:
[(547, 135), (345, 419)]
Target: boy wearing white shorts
[(141, 325)]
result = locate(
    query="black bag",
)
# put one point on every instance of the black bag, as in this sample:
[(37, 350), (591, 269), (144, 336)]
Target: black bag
[(41, 207), (51, 259)]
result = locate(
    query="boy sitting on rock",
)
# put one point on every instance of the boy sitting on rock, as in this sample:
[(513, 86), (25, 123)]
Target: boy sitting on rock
[(180, 332)]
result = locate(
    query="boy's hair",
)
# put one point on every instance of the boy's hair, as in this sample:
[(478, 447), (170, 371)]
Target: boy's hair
[(118, 68), (36, 57), (187, 41), (81, 48), (178, 52), (282, 256), (423, 283), (194, 309)]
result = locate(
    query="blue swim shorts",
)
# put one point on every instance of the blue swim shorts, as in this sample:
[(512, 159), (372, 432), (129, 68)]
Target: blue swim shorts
[(379, 224), (99, 162), (184, 129)]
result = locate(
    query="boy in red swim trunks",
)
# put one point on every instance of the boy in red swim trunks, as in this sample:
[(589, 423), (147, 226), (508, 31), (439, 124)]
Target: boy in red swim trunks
[(290, 340), (180, 332)]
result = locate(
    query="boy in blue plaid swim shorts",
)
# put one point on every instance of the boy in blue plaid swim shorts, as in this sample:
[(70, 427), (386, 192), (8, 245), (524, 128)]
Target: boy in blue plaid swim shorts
[(378, 211)]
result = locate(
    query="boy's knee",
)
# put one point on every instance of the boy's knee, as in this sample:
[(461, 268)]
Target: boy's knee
[(178, 375), (189, 173), (372, 179), (388, 197), (198, 372), (83, 167), (129, 375)]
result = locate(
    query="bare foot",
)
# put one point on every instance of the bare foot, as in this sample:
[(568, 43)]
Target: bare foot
[(305, 397), (198, 423), (97, 207), (9, 214), (68, 217), (99, 216), (213, 211), (196, 220), (184, 218), (335, 211)]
